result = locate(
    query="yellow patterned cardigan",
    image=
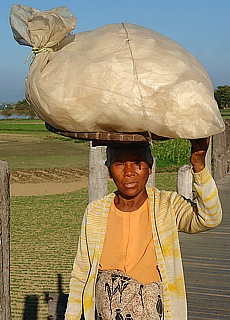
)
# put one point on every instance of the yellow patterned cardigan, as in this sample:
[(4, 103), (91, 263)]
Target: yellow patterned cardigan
[(170, 213)]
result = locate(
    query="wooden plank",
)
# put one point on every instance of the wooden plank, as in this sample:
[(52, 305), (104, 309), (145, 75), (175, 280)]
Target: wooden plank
[(5, 307), (200, 304)]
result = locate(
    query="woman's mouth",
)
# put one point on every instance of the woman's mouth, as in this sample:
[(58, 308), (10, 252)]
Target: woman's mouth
[(130, 184)]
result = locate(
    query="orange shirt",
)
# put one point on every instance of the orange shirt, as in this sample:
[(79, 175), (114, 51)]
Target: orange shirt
[(129, 245)]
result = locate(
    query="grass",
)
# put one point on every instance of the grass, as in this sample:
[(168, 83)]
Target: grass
[(44, 235), (23, 126), (173, 152), (36, 152), (30, 127), (225, 113), (44, 154)]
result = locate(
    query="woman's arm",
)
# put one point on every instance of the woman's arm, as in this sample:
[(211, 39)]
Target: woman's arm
[(206, 213), (198, 153)]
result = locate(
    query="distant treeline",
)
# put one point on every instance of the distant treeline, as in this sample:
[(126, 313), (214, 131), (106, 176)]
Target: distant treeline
[(222, 96), (20, 108)]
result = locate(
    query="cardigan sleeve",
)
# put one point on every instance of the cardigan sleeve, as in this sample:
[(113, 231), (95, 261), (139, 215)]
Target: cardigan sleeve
[(79, 276), (203, 215)]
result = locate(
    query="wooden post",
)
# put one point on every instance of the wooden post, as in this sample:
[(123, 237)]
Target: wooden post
[(208, 158), (152, 178), (227, 136), (219, 156), (5, 308), (98, 173), (184, 181)]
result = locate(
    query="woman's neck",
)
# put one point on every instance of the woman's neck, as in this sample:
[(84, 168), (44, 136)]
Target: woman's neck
[(126, 204)]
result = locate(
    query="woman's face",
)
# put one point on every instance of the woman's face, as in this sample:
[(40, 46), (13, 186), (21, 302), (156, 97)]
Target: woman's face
[(129, 171)]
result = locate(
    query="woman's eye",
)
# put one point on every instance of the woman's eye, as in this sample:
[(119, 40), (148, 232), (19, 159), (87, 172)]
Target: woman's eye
[(118, 164), (138, 164)]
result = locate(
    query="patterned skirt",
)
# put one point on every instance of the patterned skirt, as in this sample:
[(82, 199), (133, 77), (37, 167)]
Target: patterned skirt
[(120, 297)]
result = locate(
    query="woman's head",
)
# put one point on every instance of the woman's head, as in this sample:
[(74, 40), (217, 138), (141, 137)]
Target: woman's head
[(129, 166)]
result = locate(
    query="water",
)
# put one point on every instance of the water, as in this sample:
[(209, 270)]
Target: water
[(15, 116)]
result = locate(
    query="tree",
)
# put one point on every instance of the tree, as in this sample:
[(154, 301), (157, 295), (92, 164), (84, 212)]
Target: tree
[(22, 107), (222, 96), (19, 110), (6, 113), (30, 113)]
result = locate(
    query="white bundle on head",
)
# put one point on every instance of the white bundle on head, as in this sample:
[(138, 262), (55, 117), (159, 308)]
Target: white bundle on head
[(118, 78)]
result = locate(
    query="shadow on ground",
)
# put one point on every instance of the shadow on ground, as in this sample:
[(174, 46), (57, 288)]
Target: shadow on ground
[(31, 308), (56, 304)]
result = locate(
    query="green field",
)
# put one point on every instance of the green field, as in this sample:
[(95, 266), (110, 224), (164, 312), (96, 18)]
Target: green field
[(225, 113), (44, 233), (44, 229), (28, 144), (25, 126)]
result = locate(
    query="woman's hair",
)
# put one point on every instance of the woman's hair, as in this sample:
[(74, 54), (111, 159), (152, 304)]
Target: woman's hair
[(142, 148)]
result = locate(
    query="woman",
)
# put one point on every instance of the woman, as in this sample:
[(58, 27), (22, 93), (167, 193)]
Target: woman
[(128, 264)]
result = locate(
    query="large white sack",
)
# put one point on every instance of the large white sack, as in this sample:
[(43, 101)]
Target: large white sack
[(118, 78)]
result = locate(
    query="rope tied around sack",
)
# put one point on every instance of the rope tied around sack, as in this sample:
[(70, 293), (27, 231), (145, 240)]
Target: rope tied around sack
[(36, 51)]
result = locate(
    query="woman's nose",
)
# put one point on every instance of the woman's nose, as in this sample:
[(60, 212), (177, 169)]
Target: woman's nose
[(129, 168)]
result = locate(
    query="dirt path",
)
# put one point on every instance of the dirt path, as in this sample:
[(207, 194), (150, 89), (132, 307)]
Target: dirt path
[(46, 182), (46, 188)]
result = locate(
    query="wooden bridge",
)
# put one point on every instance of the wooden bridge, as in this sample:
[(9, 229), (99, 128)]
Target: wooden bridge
[(206, 260)]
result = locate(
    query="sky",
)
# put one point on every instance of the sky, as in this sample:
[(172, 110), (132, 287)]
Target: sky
[(200, 26)]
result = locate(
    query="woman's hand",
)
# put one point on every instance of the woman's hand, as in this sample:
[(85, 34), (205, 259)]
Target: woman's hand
[(198, 153)]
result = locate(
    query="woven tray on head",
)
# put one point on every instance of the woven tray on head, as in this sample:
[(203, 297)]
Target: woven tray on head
[(104, 138)]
